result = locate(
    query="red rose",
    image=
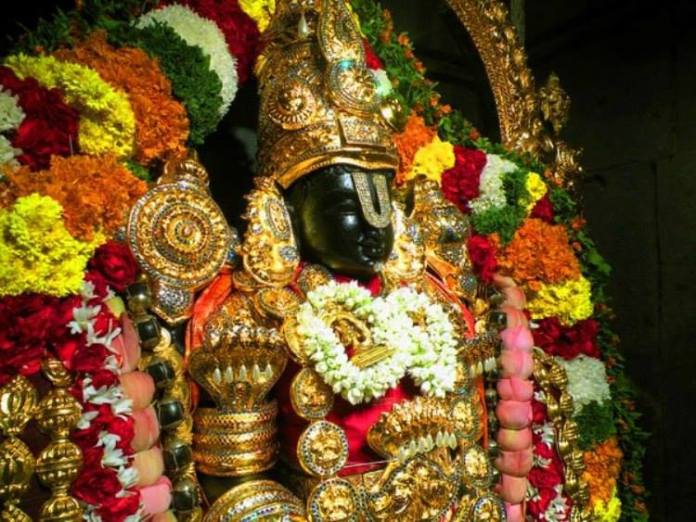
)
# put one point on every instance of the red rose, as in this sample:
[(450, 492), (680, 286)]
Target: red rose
[(544, 477), (31, 325), (115, 263), (124, 427), (117, 509), (482, 254), (90, 359), (240, 30), (567, 341), (538, 412), (96, 485), (543, 209), (92, 457), (371, 59), (460, 184), (50, 127), (537, 508), (103, 378)]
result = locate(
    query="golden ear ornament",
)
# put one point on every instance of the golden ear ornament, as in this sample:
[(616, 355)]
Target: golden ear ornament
[(406, 262), (180, 238), (269, 251)]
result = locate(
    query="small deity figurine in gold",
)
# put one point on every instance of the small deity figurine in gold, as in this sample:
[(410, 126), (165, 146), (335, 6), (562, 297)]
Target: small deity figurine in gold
[(339, 363)]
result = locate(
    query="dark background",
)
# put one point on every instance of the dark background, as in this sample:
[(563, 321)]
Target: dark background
[(630, 69)]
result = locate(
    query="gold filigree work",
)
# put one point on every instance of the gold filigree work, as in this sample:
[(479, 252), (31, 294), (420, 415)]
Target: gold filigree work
[(179, 237), (319, 102)]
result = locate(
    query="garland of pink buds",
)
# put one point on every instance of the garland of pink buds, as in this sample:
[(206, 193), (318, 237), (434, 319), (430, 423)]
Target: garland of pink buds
[(515, 391)]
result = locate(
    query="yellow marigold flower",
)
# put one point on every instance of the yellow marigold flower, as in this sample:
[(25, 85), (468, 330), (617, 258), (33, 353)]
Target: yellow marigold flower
[(602, 468), (432, 160), (570, 301), (259, 10), (536, 189), (609, 511), (107, 122), (37, 253)]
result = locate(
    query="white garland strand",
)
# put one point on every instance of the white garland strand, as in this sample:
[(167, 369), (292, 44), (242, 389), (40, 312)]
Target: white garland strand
[(587, 381), (203, 33), (11, 117), (491, 186), (427, 354)]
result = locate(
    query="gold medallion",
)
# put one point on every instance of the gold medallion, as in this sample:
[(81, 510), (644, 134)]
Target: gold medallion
[(313, 276), (293, 342), (278, 303), (488, 507), (334, 500), (311, 397), (477, 467), (322, 449)]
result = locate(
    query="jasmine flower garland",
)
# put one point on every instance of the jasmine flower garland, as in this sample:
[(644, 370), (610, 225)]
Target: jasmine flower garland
[(427, 354), (200, 32), (587, 381), (8, 153)]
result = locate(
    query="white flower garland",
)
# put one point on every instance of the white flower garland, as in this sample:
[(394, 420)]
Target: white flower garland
[(587, 381), (491, 185), (11, 114), (428, 355), (11, 117), (204, 33)]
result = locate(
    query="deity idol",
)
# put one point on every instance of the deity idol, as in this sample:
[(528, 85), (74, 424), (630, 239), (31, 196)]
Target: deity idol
[(339, 355)]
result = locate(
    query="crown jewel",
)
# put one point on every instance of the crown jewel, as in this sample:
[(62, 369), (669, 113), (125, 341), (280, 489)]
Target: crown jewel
[(319, 102)]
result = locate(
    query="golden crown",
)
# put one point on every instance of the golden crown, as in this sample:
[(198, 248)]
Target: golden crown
[(319, 102)]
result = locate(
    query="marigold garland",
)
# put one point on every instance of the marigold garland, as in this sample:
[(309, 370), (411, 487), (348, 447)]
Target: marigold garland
[(161, 123), (205, 34), (602, 467), (96, 192), (521, 260), (607, 511), (107, 123), (570, 301), (259, 10), (37, 253), (432, 160), (416, 134), (188, 70)]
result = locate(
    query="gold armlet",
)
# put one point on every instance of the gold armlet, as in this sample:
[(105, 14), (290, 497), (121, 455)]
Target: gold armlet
[(256, 500)]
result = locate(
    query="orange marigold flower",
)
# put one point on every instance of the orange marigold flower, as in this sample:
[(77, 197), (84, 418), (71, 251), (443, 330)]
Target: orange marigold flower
[(404, 40), (415, 135), (162, 125), (602, 468), (578, 223), (96, 192), (522, 260)]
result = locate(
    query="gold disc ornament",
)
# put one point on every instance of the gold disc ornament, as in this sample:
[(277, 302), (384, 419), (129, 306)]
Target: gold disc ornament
[(322, 449), (179, 237), (334, 500), (311, 397)]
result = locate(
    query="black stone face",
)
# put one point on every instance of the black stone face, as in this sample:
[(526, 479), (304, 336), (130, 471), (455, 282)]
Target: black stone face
[(330, 226)]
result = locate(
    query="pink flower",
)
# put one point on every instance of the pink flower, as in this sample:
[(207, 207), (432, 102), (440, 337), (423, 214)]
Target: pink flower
[(518, 338)]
